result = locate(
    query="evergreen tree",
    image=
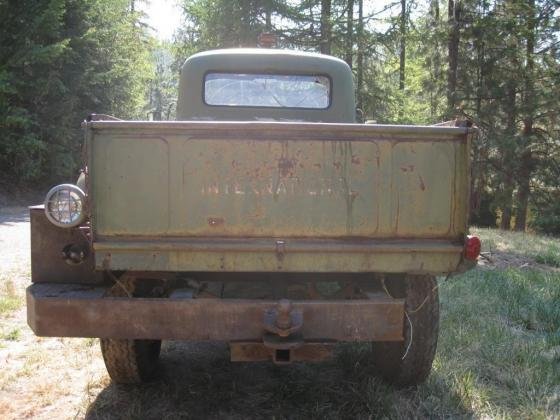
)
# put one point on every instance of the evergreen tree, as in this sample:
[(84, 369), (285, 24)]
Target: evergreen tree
[(59, 61)]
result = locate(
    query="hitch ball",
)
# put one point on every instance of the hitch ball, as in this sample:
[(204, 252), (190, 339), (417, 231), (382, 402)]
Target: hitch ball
[(283, 320)]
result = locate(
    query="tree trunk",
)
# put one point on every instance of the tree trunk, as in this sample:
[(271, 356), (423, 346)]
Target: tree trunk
[(268, 18), (523, 191), (436, 59), (325, 43), (508, 155), (348, 56), (360, 55), (505, 224), (527, 162), (453, 14), (402, 56), (434, 6)]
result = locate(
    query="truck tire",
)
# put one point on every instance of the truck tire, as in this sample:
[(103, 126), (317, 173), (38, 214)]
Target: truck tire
[(409, 362), (130, 361)]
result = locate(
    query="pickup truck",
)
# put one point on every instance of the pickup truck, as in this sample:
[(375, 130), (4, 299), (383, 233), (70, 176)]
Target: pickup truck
[(264, 217)]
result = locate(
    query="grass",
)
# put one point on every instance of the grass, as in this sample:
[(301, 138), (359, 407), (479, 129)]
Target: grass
[(550, 257), (499, 330), (9, 304), (13, 335), (10, 300), (543, 249), (498, 357)]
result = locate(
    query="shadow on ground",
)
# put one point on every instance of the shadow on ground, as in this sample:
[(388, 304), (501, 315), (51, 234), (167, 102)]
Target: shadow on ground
[(198, 381), (10, 215)]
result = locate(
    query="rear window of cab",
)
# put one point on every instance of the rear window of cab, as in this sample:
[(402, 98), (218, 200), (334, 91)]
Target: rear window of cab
[(267, 90)]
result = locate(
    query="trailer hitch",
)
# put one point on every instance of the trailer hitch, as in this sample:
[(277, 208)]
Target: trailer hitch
[(283, 324), (283, 320)]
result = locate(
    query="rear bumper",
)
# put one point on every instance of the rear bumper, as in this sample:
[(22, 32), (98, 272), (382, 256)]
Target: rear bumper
[(422, 256), (72, 310)]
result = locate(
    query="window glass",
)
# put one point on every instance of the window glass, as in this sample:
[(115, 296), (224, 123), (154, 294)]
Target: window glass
[(267, 90)]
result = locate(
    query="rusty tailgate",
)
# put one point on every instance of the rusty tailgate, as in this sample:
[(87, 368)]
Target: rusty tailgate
[(278, 180)]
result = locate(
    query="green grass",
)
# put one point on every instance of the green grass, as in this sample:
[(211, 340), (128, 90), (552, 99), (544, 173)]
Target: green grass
[(550, 257), (13, 335), (9, 304), (10, 299), (500, 335), (544, 249)]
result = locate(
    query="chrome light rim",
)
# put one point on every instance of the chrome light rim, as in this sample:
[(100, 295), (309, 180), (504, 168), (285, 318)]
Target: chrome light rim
[(64, 205)]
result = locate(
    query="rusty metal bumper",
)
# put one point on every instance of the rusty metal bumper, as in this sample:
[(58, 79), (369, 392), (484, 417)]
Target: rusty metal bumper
[(71, 310)]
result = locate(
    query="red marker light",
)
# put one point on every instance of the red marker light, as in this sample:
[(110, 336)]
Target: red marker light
[(472, 247)]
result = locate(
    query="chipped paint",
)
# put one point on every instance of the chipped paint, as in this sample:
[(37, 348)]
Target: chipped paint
[(248, 180)]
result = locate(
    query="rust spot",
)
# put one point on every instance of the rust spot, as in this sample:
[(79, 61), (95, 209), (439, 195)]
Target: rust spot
[(422, 185), (337, 165), (355, 160), (317, 165), (409, 168), (215, 221), (286, 166), (398, 214)]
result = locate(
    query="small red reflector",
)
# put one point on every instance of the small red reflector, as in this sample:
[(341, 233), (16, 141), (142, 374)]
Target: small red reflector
[(472, 247)]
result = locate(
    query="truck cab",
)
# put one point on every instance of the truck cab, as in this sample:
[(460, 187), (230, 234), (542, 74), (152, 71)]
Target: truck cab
[(265, 85), (264, 217)]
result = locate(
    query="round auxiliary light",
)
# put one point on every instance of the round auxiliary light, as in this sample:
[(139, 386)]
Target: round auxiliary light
[(64, 205)]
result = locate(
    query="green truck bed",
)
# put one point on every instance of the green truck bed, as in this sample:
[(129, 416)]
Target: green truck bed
[(262, 196)]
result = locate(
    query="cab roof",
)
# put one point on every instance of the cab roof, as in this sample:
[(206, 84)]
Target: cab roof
[(191, 106)]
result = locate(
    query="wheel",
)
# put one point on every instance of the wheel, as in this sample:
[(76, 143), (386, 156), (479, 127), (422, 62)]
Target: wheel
[(130, 361), (409, 362)]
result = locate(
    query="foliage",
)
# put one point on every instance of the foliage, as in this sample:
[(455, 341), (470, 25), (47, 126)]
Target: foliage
[(60, 61), (163, 84), (546, 212)]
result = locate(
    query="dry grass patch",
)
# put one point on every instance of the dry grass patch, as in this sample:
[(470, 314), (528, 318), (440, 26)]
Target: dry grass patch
[(10, 298)]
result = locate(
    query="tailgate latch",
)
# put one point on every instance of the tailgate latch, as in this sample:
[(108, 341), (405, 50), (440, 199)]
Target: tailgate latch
[(280, 249)]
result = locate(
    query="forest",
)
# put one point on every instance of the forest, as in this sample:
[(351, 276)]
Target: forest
[(496, 63)]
